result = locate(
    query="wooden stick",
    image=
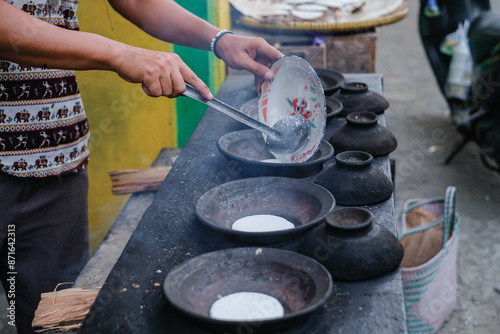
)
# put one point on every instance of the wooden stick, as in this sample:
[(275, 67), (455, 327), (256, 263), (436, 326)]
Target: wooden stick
[(61, 309), (134, 180)]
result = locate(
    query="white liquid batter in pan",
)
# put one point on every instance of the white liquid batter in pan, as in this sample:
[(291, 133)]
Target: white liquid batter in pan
[(262, 223), (246, 306), (274, 161)]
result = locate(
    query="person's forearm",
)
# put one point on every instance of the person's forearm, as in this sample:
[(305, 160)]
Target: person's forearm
[(30, 41), (168, 21)]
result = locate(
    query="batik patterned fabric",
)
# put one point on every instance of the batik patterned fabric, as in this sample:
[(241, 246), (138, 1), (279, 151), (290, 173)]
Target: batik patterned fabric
[(43, 127)]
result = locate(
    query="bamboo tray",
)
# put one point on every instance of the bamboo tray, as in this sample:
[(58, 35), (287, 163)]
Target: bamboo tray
[(327, 27)]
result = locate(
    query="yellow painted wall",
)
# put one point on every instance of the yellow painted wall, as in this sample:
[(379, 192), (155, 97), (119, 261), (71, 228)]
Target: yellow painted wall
[(128, 128), (221, 19)]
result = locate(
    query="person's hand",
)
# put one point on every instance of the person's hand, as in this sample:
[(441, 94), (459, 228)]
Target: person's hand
[(253, 54), (160, 73)]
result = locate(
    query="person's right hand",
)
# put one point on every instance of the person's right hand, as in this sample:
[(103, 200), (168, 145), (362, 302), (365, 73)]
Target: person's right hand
[(160, 73)]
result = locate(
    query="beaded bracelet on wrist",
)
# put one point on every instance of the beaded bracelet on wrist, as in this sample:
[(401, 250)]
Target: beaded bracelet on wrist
[(213, 44)]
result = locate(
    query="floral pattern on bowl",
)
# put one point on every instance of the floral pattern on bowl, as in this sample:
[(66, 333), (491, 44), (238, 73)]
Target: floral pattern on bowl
[(295, 90)]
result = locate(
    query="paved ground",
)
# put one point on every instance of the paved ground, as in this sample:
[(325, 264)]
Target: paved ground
[(416, 110)]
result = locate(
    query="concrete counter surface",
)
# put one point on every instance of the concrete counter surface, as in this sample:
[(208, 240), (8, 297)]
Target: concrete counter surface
[(132, 300)]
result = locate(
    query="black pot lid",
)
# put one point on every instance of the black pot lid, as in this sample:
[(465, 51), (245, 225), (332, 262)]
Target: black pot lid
[(362, 132), (333, 107), (331, 80), (355, 96)]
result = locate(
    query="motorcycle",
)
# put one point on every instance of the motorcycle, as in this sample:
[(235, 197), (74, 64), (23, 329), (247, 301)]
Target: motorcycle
[(475, 111)]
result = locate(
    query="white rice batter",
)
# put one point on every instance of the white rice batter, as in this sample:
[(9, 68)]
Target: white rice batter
[(262, 223), (246, 306)]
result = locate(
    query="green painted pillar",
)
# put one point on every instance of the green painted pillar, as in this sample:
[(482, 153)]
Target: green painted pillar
[(189, 112)]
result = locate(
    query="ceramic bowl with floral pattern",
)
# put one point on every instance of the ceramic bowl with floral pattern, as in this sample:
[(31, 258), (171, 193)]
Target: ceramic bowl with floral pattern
[(295, 90)]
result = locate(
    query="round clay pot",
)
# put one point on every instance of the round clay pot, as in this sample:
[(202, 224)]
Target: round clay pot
[(354, 180), (352, 246), (356, 96), (362, 132), (331, 80), (333, 107), (248, 149)]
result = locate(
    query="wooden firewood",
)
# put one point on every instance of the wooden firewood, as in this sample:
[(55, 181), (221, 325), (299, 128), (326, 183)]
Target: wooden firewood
[(134, 180), (63, 309)]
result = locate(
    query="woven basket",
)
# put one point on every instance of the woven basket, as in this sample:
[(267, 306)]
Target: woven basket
[(327, 27), (429, 271), (324, 27)]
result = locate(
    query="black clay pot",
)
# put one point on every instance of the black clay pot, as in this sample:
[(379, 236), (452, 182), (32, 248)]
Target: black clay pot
[(354, 180), (249, 154), (331, 80), (333, 107), (356, 96), (352, 246), (362, 132)]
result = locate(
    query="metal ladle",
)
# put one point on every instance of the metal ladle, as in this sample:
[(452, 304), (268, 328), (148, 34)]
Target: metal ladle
[(286, 136)]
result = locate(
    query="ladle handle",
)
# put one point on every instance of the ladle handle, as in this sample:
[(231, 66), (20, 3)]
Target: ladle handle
[(230, 111)]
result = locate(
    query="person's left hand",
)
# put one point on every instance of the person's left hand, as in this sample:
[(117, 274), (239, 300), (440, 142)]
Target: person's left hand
[(253, 54)]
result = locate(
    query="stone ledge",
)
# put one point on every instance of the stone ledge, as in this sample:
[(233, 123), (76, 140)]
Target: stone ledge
[(97, 269)]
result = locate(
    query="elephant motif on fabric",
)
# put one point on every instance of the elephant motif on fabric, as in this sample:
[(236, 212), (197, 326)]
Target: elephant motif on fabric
[(41, 163), (43, 114), (29, 8), (20, 165), (22, 116)]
